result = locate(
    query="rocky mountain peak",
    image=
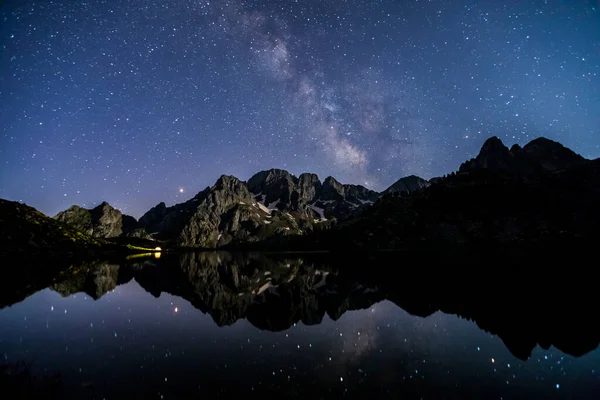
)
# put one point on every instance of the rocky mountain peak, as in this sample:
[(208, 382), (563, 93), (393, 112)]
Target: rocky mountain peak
[(227, 182), (493, 155), (358, 194), (275, 186), (105, 205), (202, 221), (331, 181), (307, 176), (78, 217), (308, 187), (332, 189), (493, 144), (551, 155), (406, 185), (275, 174), (102, 221), (153, 217), (228, 190), (515, 148), (268, 177), (537, 156), (107, 221), (307, 197), (73, 208)]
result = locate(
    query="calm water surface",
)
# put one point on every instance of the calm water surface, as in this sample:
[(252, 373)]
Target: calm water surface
[(218, 326)]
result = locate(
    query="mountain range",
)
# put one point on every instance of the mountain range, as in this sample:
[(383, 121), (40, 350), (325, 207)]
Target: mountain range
[(542, 190), (271, 203)]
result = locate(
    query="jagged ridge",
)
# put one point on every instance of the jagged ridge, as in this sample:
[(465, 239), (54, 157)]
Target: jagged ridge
[(271, 203)]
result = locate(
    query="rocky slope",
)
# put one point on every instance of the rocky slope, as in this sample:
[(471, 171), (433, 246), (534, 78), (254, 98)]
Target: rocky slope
[(103, 221)]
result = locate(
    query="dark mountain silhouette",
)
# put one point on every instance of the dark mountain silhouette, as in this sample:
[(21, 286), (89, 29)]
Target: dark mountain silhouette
[(538, 156), (407, 185), (24, 231), (543, 193)]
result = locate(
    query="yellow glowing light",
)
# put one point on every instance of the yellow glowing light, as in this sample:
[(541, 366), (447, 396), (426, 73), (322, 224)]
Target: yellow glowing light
[(140, 255), (156, 255), (158, 249), (493, 361)]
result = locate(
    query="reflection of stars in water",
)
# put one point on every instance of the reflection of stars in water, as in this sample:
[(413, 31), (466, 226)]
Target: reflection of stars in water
[(333, 354)]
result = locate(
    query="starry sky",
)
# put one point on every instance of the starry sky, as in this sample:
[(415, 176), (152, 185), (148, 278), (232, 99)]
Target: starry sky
[(136, 102)]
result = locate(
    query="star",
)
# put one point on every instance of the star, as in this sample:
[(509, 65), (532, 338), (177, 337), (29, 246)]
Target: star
[(359, 93)]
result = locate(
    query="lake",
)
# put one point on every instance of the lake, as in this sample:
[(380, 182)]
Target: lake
[(221, 325)]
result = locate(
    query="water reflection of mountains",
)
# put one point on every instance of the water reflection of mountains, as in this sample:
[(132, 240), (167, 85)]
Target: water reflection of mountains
[(274, 292)]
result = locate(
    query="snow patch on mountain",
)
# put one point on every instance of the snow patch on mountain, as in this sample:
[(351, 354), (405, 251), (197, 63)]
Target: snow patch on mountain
[(319, 211)]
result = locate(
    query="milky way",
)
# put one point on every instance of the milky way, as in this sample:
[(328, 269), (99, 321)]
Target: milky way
[(137, 102)]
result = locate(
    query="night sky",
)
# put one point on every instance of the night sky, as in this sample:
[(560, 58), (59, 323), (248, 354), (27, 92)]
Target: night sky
[(137, 102)]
